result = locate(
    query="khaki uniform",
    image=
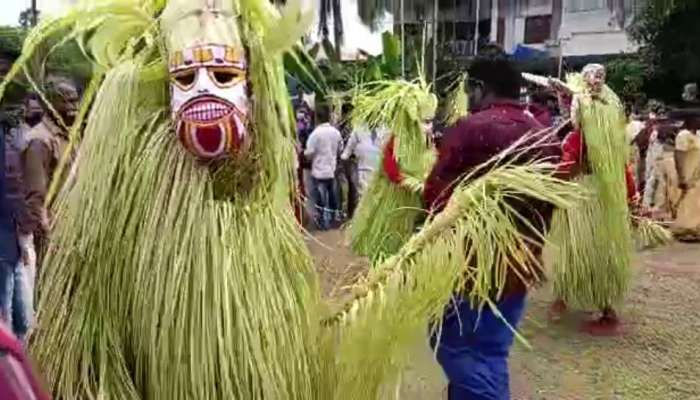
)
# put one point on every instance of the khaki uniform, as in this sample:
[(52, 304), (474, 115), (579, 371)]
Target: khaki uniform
[(44, 146)]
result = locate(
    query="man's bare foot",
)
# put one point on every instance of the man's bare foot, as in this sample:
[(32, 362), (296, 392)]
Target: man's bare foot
[(556, 310)]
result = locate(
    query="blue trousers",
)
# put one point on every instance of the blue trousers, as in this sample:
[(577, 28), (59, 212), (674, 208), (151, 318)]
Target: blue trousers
[(326, 201), (16, 292), (473, 349)]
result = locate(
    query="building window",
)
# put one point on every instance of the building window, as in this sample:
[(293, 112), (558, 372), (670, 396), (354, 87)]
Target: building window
[(538, 29), (584, 5)]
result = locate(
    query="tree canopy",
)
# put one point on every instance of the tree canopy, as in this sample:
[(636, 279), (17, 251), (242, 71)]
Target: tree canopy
[(668, 33)]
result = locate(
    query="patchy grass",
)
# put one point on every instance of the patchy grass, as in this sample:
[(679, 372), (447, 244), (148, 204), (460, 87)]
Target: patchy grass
[(656, 359)]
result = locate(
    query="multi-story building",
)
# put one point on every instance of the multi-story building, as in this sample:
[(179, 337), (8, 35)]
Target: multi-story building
[(566, 27)]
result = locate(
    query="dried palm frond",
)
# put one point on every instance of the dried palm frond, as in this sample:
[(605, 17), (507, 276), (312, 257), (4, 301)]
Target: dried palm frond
[(475, 240), (650, 234), (457, 102), (387, 212)]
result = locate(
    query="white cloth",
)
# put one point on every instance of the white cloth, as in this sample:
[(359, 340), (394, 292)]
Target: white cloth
[(27, 270), (366, 148), (322, 148), (654, 153), (633, 128)]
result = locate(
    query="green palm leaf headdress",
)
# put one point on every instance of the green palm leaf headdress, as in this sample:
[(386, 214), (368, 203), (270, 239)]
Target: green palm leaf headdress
[(387, 212)]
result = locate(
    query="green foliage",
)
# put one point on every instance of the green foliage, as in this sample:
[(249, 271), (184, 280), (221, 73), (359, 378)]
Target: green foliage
[(56, 58), (345, 76), (667, 32), (11, 39), (626, 77), (299, 64)]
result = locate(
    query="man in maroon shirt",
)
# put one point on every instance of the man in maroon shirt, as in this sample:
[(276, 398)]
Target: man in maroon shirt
[(473, 346)]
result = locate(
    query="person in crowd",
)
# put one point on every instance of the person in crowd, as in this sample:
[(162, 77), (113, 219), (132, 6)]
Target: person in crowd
[(17, 378), (347, 174), (662, 192), (686, 226), (690, 94), (473, 344), (634, 126), (644, 139), (17, 277), (43, 149), (322, 150), (364, 145), (9, 249), (539, 107), (304, 126), (32, 115)]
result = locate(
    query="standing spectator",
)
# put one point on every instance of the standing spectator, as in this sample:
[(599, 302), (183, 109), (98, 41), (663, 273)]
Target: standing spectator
[(9, 250), (17, 277), (365, 145), (304, 126), (44, 147), (662, 192), (32, 116), (347, 177), (644, 140), (322, 149), (687, 224)]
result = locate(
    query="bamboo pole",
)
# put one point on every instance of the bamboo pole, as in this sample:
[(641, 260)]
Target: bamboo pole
[(34, 13), (403, 41), (435, 39), (476, 27)]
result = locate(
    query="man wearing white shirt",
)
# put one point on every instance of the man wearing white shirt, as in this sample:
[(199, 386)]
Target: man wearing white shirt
[(364, 144), (322, 149)]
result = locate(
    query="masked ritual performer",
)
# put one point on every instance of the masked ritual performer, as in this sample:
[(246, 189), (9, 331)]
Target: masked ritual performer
[(390, 207), (178, 228), (593, 242), (687, 224)]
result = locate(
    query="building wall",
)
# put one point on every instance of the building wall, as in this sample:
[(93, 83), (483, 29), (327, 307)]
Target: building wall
[(593, 32), (588, 27)]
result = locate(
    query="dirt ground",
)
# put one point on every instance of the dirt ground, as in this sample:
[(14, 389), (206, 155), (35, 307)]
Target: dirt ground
[(657, 358)]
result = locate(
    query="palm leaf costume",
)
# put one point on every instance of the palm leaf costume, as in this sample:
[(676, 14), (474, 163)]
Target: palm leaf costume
[(386, 215), (592, 242), (170, 278)]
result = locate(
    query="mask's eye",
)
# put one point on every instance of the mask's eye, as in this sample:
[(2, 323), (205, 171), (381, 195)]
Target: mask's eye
[(225, 77), (185, 79)]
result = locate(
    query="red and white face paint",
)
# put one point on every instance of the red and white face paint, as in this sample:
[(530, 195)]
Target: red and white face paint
[(209, 99)]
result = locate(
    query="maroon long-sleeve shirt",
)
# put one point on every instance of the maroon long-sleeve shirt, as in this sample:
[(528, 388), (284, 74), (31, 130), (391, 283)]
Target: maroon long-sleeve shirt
[(474, 141)]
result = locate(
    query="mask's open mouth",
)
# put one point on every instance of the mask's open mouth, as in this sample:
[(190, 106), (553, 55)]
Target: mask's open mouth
[(210, 127)]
